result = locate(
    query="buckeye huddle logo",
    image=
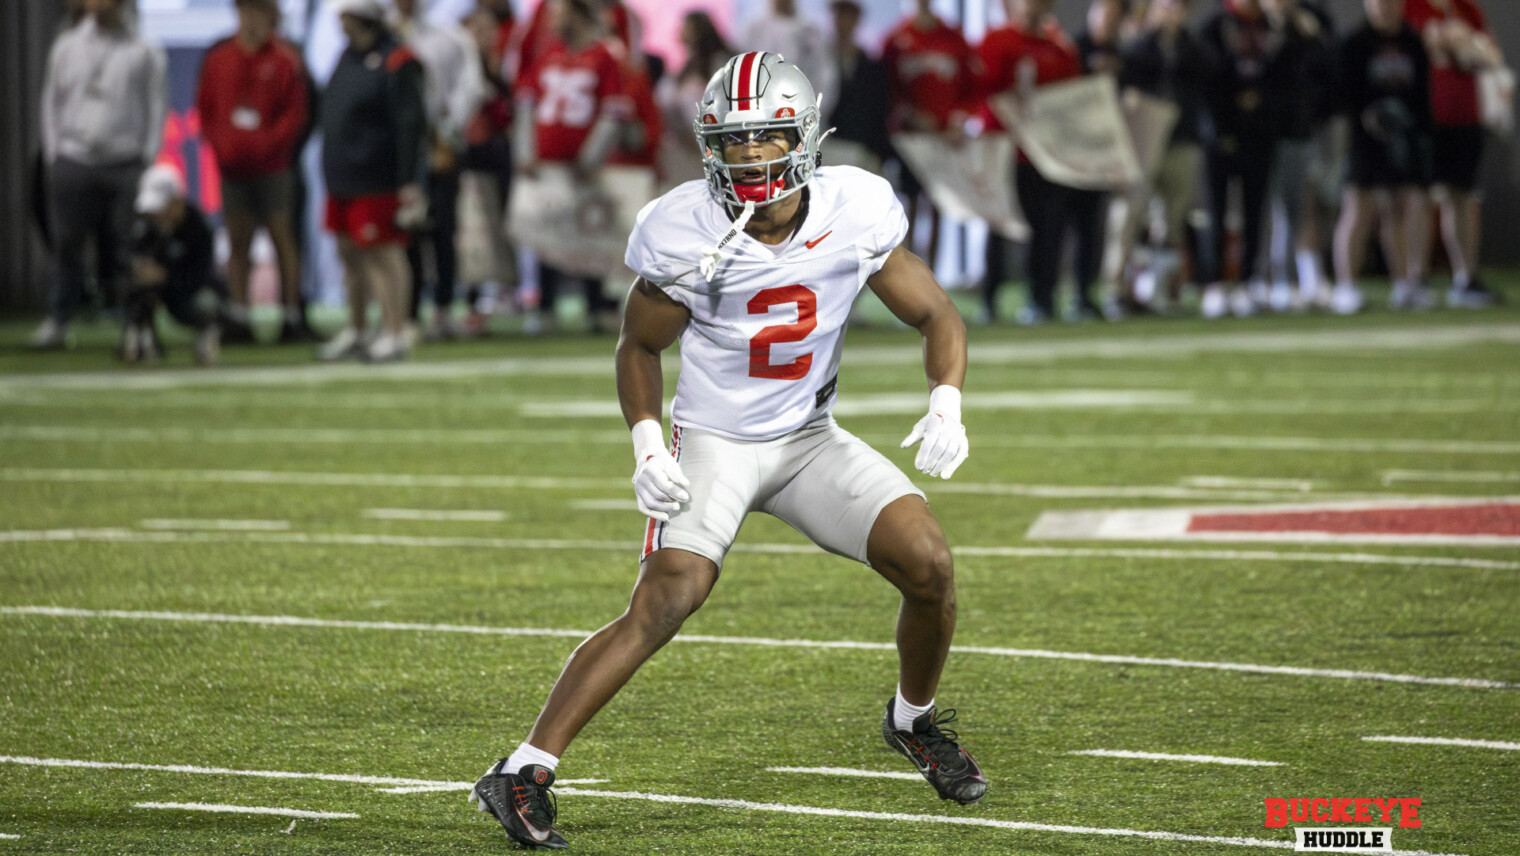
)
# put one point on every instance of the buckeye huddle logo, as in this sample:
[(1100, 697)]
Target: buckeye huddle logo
[(1343, 810)]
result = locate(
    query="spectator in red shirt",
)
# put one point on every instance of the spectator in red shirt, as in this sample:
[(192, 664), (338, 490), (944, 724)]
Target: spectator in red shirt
[(1029, 52), (1459, 44), (255, 110), (931, 74), (570, 107)]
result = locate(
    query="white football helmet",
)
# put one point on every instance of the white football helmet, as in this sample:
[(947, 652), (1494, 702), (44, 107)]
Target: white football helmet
[(751, 93)]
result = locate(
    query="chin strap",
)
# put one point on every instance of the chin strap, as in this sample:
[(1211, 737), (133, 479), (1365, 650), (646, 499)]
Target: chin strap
[(708, 266)]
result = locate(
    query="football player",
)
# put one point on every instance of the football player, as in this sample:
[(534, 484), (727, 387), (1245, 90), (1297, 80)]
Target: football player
[(755, 270)]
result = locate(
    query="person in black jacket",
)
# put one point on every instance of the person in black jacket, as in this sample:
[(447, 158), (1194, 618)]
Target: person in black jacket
[(1308, 56), (373, 160), (1385, 92), (859, 115), (173, 264), (1245, 84), (1166, 62)]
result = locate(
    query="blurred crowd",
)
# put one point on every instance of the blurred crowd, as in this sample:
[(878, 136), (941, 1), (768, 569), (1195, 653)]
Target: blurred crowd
[(1297, 138)]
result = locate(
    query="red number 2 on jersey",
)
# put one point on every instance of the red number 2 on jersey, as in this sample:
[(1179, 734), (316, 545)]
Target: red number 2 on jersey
[(760, 346)]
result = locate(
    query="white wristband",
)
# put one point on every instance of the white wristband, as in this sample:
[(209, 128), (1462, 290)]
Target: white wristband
[(648, 440), (946, 400)]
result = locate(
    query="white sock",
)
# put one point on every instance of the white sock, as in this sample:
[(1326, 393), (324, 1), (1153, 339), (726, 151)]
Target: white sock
[(526, 755), (1460, 281), (904, 712), (1308, 271)]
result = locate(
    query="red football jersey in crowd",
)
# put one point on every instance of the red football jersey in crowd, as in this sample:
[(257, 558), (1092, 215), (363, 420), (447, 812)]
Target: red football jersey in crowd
[(639, 95), (570, 91), (253, 106), (1006, 50), (1453, 91), (930, 74)]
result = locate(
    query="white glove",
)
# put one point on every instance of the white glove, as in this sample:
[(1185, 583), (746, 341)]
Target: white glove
[(658, 482), (945, 445)]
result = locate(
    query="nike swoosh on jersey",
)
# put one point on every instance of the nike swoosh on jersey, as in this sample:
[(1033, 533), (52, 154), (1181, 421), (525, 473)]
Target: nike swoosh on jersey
[(818, 240)]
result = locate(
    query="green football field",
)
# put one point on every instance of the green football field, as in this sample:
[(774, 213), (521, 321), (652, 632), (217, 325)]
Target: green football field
[(345, 591)]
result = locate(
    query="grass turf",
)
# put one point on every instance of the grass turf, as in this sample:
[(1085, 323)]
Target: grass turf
[(706, 719)]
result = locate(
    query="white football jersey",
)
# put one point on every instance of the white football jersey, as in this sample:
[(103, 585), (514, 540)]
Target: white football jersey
[(760, 356)]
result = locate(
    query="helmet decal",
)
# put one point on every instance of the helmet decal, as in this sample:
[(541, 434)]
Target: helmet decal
[(785, 113)]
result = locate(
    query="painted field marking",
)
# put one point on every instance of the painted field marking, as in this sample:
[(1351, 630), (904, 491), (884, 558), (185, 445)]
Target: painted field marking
[(1151, 346), (1021, 826), (846, 771), (1159, 756), (9, 837), (275, 477), (1455, 476), (1301, 485), (604, 505), (248, 809), (128, 536), (294, 621), (216, 525), (1239, 443), (812, 811), (490, 436), (390, 785), (340, 479), (1317, 522), (1449, 741), (461, 515)]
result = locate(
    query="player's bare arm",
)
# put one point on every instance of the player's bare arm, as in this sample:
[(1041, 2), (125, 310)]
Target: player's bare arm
[(651, 323), (908, 288)]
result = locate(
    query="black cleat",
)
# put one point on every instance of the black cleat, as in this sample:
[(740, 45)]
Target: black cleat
[(939, 759), (523, 803)]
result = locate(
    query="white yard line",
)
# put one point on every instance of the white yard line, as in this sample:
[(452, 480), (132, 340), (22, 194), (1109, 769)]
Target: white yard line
[(1240, 443), (1454, 476), (249, 809), (1301, 485), (604, 505), (1160, 756), (276, 477), (1457, 336), (1449, 741), (492, 436), (1118, 659), (128, 536), (439, 515), (742, 805), (216, 525), (846, 771), (389, 781), (990, 823), (8, 837)]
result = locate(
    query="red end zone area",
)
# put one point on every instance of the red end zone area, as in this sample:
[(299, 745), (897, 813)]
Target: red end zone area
[(1487, 521)]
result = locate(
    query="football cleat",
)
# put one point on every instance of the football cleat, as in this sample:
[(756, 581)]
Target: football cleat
[(523, 803), (939, 759)]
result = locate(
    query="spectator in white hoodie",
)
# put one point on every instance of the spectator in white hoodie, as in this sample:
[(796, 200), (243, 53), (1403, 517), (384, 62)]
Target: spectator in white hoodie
[(103, 102)]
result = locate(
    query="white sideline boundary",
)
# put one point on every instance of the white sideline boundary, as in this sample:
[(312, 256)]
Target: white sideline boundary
[(1117, 659), (847, 771), (1449, 741), (1161, 756), (745, 805), (249, 809), (128, 536)]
